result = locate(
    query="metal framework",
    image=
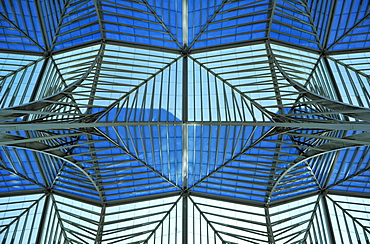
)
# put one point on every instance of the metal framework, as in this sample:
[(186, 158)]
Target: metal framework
[(157, 121)]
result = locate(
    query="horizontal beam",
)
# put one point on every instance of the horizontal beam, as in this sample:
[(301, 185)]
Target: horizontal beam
[(307, 125), (349, 51), (349, 193), (227, 199), (77, 197), (116, 202), (21, 52), (177, 193), (228, 45), (118, 43), (254, 42), (22, 193), (253, 203)]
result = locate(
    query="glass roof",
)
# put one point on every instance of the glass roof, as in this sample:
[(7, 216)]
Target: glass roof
[(146, 121)]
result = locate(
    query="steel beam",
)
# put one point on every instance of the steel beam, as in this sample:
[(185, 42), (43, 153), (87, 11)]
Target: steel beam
[(227, 199), (21, 193), (270, 233), (99, 234), (336, 144), (206, 219), (255, 42), (327, 218), (307, 125), (42, 219), (21, 52), (113, 202), (348, 51), (11, 113), (114, 43), (329, 24), (205, 26), (162, 23), (57, 213), (185, 132), (274, 76), (361, 113), (351, 29), (185, 219), (348, 193), (332, 79), (42, 25)]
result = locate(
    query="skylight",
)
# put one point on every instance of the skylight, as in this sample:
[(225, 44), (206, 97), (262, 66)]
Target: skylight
[(158, 121)]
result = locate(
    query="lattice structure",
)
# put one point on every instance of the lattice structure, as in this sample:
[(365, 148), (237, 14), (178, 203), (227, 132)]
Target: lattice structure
[(158, 121)]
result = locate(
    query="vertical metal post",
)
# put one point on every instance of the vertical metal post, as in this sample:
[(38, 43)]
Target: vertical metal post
[(327, 218), (185, 136), (185, 132), (329, 24), (41, 20), (185, 219), (42, 219), (332, 78), (274, 77), (185, 21), (99, 234), (270, 233), (39, 78)]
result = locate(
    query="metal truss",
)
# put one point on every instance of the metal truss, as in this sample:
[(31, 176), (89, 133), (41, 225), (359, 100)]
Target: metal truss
[(184, 122)]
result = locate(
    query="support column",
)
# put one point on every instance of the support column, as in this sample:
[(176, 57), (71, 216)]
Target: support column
[(185, 219), (327, 218), (99, 235), (332, 78), (185, 132), (42, 219), (329, 24), (39, 78), (270, 233)]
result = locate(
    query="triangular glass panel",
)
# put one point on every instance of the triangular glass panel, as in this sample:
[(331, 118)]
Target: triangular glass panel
[(217, 221), (28, 165), (231, 76), (152, 97), (351, 170), (349, 28), (200, 14), (170, 14), (19, 218), (11, 181), (151, 221), (135, 77), (290, 221), (134, 22), (133, 169), (19, 76), (19, 26), (79, 24), (349, 218), (247, 174), (320, 14), (79, 220), (14, 63), (297, 180), (53, 13), (296, 63), (317, 230), (291, 23), (355, 61), (141, 144), (235, 21)]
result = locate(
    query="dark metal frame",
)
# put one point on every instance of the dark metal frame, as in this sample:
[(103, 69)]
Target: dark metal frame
[(57, 117)]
